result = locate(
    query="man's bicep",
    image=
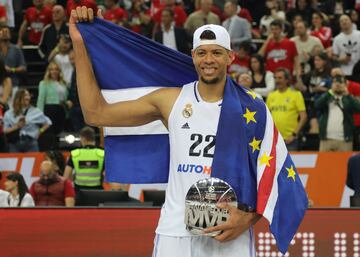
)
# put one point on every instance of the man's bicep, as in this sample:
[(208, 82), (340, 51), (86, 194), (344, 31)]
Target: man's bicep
[(130, 113)]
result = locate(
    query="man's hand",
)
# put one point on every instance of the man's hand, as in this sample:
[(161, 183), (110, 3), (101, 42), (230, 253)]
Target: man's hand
[(80, 14), (237, 223)]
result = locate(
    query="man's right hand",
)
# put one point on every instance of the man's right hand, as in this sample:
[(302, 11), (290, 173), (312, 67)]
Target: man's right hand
[(80, 14)]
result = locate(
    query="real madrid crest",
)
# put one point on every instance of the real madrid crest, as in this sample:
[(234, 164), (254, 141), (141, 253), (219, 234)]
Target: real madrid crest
[(188, 111)]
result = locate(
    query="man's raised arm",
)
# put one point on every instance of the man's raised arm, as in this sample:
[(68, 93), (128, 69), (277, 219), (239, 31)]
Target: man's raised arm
[(96, 110)]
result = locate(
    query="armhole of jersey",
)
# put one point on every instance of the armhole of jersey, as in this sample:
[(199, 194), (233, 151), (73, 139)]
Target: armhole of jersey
[(176, 104)]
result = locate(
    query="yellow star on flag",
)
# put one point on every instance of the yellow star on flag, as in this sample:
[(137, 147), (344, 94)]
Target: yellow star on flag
[(252, 93), (249, 116), (255, 145), (291, 173), (265, 159)]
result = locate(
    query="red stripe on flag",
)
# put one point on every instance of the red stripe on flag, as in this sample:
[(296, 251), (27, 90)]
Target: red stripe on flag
[(266, 181)]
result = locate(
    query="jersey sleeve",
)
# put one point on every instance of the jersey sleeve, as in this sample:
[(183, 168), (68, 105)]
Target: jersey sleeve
[(299, 101)]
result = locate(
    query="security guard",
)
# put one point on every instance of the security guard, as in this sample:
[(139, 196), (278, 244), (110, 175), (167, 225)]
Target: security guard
[(86, 164)]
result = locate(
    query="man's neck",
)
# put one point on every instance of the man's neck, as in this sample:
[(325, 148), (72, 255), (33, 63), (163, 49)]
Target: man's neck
[(282, 89), (212, 93), (278, 39), (4, 46), (304, 37), (347, 32), (167, 27), (58, 24)]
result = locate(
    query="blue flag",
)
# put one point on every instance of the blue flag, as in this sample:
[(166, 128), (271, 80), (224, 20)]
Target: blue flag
[(250, 154)]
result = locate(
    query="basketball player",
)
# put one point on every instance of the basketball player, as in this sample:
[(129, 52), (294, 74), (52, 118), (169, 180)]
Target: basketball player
[(198, 105)]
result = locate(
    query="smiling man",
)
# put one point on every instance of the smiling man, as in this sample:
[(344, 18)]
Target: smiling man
[(191, 115)]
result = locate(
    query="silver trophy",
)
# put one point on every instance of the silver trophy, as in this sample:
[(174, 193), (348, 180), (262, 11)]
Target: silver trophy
[(201, 211)]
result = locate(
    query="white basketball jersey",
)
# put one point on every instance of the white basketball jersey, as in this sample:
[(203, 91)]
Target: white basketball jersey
[(192, 129)]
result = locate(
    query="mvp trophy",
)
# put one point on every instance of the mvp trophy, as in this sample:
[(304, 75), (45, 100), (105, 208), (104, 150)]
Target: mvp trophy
[(201, 211)]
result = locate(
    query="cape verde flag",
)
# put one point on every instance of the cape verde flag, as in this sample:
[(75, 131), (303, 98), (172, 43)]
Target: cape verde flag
[(250, 154)]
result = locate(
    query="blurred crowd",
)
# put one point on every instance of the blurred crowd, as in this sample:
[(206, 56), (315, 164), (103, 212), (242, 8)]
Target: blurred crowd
[(302, 57)]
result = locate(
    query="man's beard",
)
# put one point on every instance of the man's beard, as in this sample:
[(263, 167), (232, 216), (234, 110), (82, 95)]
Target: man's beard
[(210, 81)]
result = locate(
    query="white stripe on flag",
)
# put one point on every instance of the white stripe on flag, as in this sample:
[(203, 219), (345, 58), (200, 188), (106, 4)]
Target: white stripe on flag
[(114, 96), (281, 154), (266, 145)]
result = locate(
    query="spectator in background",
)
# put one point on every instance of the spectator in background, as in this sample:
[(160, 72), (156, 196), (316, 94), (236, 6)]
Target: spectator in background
[(287, 108), (201, 17), (19, 194), (3, 18), (86, 164), (262, 81), (303, 8), (5, 86), (114, 12), (51, 189), (279, 51), (314, 84), (3, 196), (336, 123), (72, 4), (305, 45), (3, 144), (51, 32), (354, 89), (60, 55), (73, 103), (52, 97), (171, 36), (238, 28), (10, 17), (319, 30), (57, 159), (354, 16), (13, 58), (346, 46), (240, 63), (35, 18), (24, 123), (139, 19), (244, 79), (179, 16), (272, 12)]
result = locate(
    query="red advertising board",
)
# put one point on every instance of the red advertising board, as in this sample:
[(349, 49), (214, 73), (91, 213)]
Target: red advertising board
[(130, 232)]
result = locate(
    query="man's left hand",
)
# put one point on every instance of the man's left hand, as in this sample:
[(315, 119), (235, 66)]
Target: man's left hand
[(237, 223)]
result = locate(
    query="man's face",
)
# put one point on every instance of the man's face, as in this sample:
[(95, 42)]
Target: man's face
[(229, 9), (245, 80), (345, 23), (300, 29), (58, 13), (280, 80), (206, 5), (276, 31), (211, 62), (5, 34), (47, 171), (38, 3), (338, 84), (166, 18)]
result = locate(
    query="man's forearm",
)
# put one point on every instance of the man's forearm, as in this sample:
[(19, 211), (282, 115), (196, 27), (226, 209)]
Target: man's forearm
[(90, 96)]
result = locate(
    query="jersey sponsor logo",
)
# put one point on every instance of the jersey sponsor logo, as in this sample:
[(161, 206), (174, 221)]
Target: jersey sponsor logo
[(193, 168), (185, 126), (277, 55)]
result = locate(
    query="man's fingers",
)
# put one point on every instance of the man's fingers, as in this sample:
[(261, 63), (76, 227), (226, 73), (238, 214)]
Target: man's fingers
[(99, 14), (91, 14), (224, 236), (79, 14), (73, 17), (220, 227), (84, 13)]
